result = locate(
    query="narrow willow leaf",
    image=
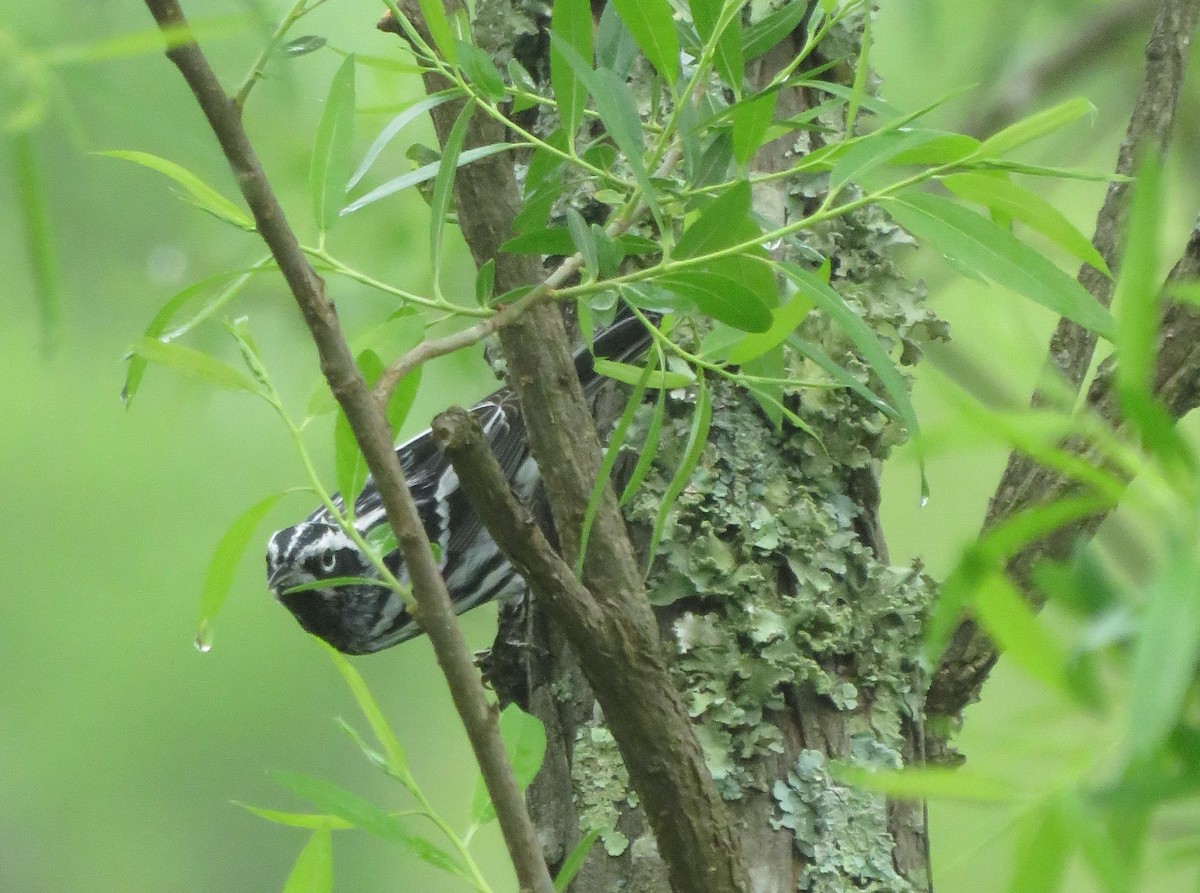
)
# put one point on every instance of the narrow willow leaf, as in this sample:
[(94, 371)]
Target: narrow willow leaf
[(194, 364), (989, 555), (157, 328), (434, 12), (1136, 299), (645, 377), (395, 126), (1042, 855), (652, 26), (574, 861), (717, 225), (728, 56), (924, 783), (721, 297), (571, 21), (615, 47), (481, 71), (871, 152), (397, 761), (650, 447), (1035, 126), (485, 282), (697, 440), (615, 442), (618, 111), (767, 32), (584, 242), (311, 820), (1167, 651), (785, 320), (865, 340), (218, 581), (1020, 635), (751, 118), (39, 236), (443, 186), (840, 374), (366, 815), (313, 871), (978, 243), (423, 174), (332, 159), (198, 192), (940, 148), (1002, 196), (302, 46), (547, 240), (331, 583), (524, 739)]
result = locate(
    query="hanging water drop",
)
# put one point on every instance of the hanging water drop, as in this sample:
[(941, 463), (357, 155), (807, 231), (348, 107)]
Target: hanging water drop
[(203, 640)]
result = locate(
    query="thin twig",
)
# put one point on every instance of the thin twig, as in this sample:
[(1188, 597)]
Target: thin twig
[(434, 610)]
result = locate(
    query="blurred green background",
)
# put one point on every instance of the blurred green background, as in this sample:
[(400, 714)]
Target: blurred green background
[(121, 746)]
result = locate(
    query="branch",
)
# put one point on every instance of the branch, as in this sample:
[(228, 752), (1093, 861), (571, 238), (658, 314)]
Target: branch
[(433, 609), (615, 634), (969, 659)]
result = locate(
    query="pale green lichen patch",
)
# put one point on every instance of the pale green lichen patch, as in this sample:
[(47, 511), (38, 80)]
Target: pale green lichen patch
[(841, 833), (601, 785)]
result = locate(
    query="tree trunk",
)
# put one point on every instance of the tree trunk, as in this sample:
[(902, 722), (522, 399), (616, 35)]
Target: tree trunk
[(795, 642)]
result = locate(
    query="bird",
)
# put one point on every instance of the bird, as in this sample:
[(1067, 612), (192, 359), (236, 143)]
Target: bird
[(360, 616)]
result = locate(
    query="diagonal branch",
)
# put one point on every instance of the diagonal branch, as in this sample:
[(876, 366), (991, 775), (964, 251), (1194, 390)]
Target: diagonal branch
[(433, 609), (969, 659)]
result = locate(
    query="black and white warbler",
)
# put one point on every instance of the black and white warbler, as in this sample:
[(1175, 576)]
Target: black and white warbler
[(359, 618)]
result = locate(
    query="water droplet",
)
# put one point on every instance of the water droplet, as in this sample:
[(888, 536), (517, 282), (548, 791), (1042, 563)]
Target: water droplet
[(924, 500), (203, 640)]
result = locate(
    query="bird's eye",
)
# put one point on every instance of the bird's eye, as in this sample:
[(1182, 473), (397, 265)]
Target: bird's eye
[(328, 560)]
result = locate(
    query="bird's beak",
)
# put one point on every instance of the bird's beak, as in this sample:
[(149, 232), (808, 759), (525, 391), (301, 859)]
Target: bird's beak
[(277, 580)]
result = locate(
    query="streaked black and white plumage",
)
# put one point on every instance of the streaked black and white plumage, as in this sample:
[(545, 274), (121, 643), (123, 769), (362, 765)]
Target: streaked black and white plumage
[(359, 618)]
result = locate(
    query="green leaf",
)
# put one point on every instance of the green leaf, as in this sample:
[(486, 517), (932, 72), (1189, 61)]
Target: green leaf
[(924, 783), (1001, 196), (312, 820), (332, 158), (697, 440), (767, 32), (721, 297), (485, 282), (366, 815), (584, 242), (313, 871), (865, 340), (785, 320), (434, 12), (1167, 651), (525, 742), (574, 861), (1043, 853), (975, 242), (198, 192), (632, 375), (548, 240), (871, 152), (1136, 299), (618, 111), (302, 46), (395, 126), (650, 447), (728, 57), (443, 186), (423, 174), (751, 118), (397, 761), (223, 567), (1021, 636), (348, 458), (39, 236), (1035, 126), (194, 364), (939, 148), (652, 26), (718, 224), (481, 71), (571, 21)]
